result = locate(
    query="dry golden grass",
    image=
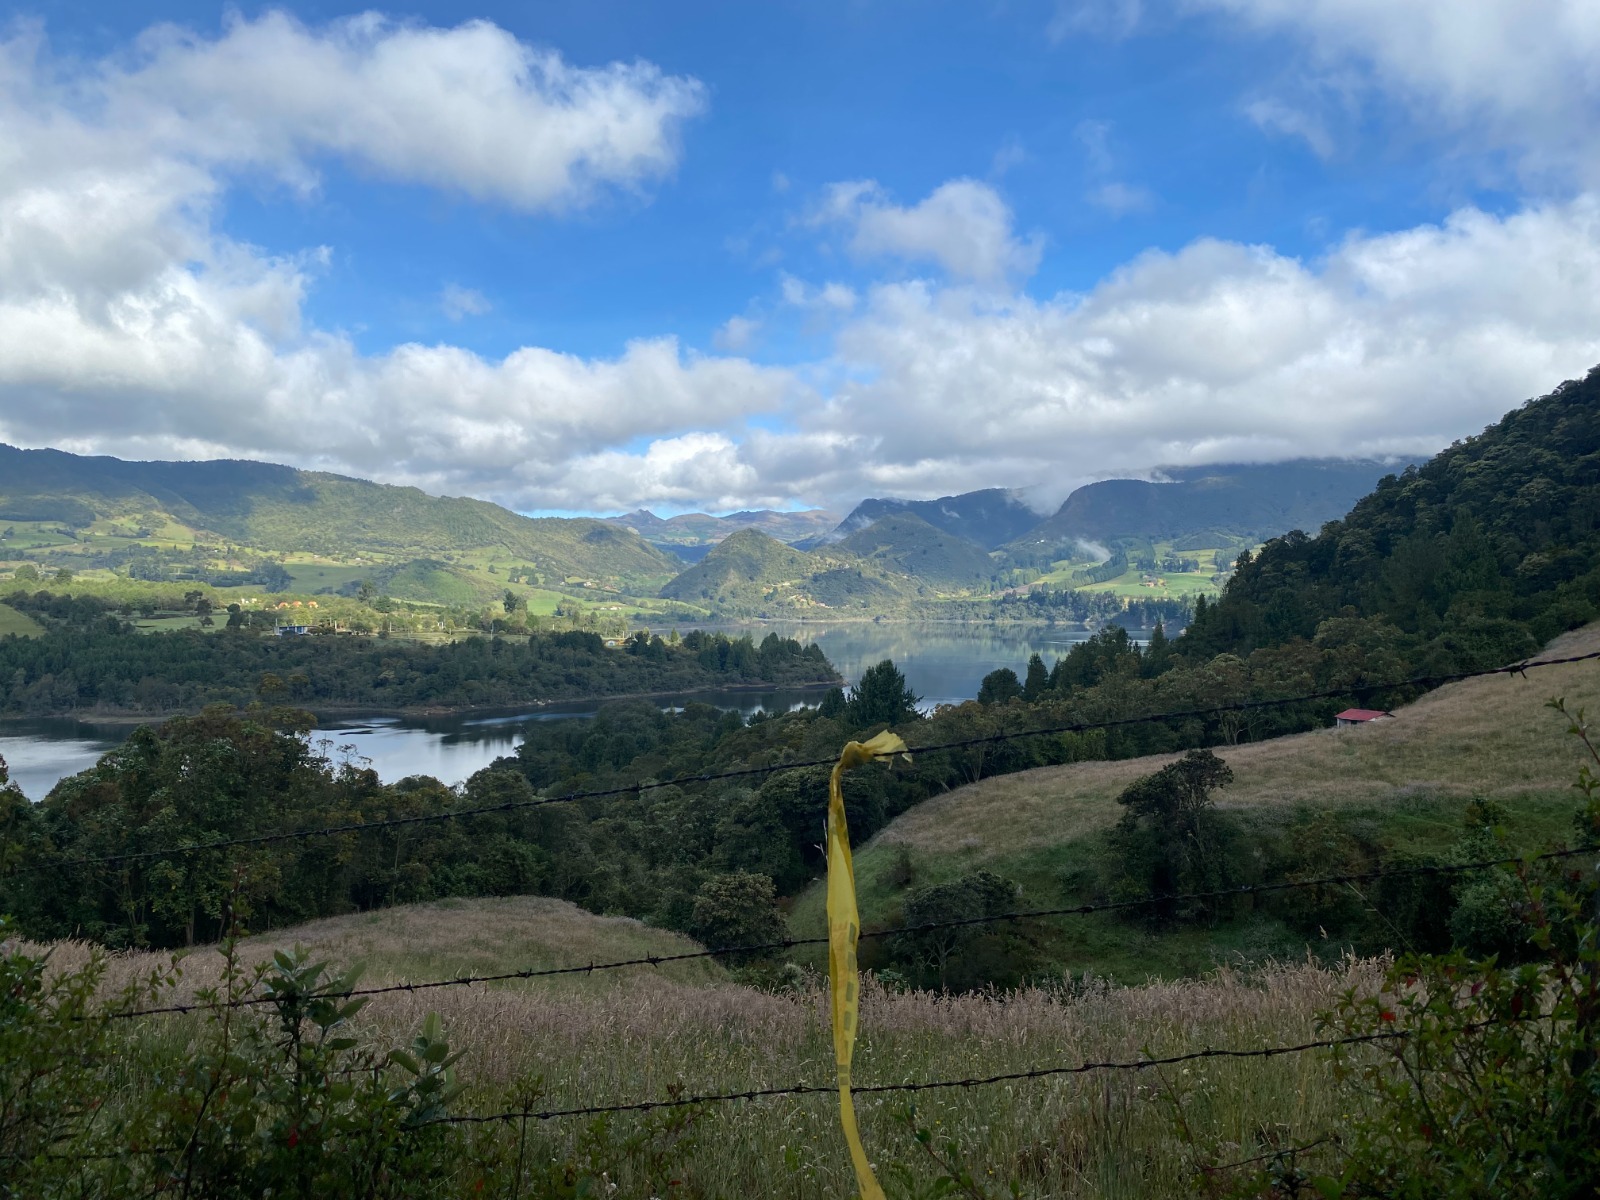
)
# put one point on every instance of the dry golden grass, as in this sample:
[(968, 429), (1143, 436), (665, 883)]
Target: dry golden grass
[(632, 1035), (1481, 737), (445, 939)]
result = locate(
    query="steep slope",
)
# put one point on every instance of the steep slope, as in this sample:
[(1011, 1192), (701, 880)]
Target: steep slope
[(988, 518), (1505, 525), (1247, 503), (906, 544), (276, 510)]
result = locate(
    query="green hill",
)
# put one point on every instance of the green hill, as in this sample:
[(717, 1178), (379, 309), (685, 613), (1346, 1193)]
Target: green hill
[(742, 565), (749, 572), (1335, 797), (906, 544), (161, 518)]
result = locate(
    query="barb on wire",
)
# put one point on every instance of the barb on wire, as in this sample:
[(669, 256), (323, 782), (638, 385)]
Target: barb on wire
[(638, 788), (657, 960), (1084, 1068)]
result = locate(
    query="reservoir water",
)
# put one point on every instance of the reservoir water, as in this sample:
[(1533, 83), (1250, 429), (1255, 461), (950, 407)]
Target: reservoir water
[(944, 664)]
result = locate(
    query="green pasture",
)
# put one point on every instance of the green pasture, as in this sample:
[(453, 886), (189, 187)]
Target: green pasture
[(11, 621)]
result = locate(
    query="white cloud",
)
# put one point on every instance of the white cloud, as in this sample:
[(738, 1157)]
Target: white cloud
[(735, 334), (129, 325), (459, 302), (963, 226), (1521, 76), (470, 109), (832, 298), (1392, 344)]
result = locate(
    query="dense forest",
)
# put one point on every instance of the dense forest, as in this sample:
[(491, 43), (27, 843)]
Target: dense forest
[(1495, 539), (90, 659)]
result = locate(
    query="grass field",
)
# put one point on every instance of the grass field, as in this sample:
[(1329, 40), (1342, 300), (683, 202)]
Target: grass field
[(12, 621), (642, 1032), (313, 577), (1131, 583), (1404, 782)]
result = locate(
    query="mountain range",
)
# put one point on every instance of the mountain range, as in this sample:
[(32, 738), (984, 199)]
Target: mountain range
[(248, 523)]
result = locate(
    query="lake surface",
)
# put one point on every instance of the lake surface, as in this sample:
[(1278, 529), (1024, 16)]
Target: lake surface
[(944, 664)]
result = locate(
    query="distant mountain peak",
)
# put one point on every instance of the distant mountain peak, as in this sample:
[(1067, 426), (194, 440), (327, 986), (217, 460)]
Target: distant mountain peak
[(989, 517)]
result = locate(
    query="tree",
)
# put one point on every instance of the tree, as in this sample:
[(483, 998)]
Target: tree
[(1037, 681), (26, 573), (881, 697), (1169, 838), (738, 909), (962, 957), (512, 602), (999, 686)]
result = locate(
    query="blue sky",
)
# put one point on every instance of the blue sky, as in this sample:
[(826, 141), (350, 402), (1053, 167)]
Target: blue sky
[(587, 257)]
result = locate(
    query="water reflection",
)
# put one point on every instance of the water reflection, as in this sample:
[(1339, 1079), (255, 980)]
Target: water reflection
[(942, 663)]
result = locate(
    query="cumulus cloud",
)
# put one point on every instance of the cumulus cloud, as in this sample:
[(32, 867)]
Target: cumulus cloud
[(963, 226), (129, 324), (470, 109), (1390, 344)]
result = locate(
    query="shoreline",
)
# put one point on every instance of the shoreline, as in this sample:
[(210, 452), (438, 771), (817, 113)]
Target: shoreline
[(125, 717)]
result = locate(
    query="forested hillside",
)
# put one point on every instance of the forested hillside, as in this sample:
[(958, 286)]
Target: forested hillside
[(1496, 540)]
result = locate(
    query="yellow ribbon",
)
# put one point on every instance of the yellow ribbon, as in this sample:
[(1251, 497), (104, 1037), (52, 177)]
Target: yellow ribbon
[(844, 927)]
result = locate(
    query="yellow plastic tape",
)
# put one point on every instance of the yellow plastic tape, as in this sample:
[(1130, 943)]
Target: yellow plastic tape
[(844, 927)]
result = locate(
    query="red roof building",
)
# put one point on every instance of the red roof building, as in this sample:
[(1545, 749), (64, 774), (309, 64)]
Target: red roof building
[(1360, 716)]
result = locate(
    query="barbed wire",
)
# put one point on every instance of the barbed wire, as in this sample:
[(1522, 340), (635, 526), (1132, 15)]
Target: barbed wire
[(640, 787), (810, 1089), (1084, 1068), (659, 960)]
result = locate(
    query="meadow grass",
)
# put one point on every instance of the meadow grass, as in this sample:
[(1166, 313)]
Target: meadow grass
[(644, 1033), (12, 621)]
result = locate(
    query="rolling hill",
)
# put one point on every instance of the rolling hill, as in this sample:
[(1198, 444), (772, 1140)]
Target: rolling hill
[(750, 572), (86, 512), (906, 544)]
